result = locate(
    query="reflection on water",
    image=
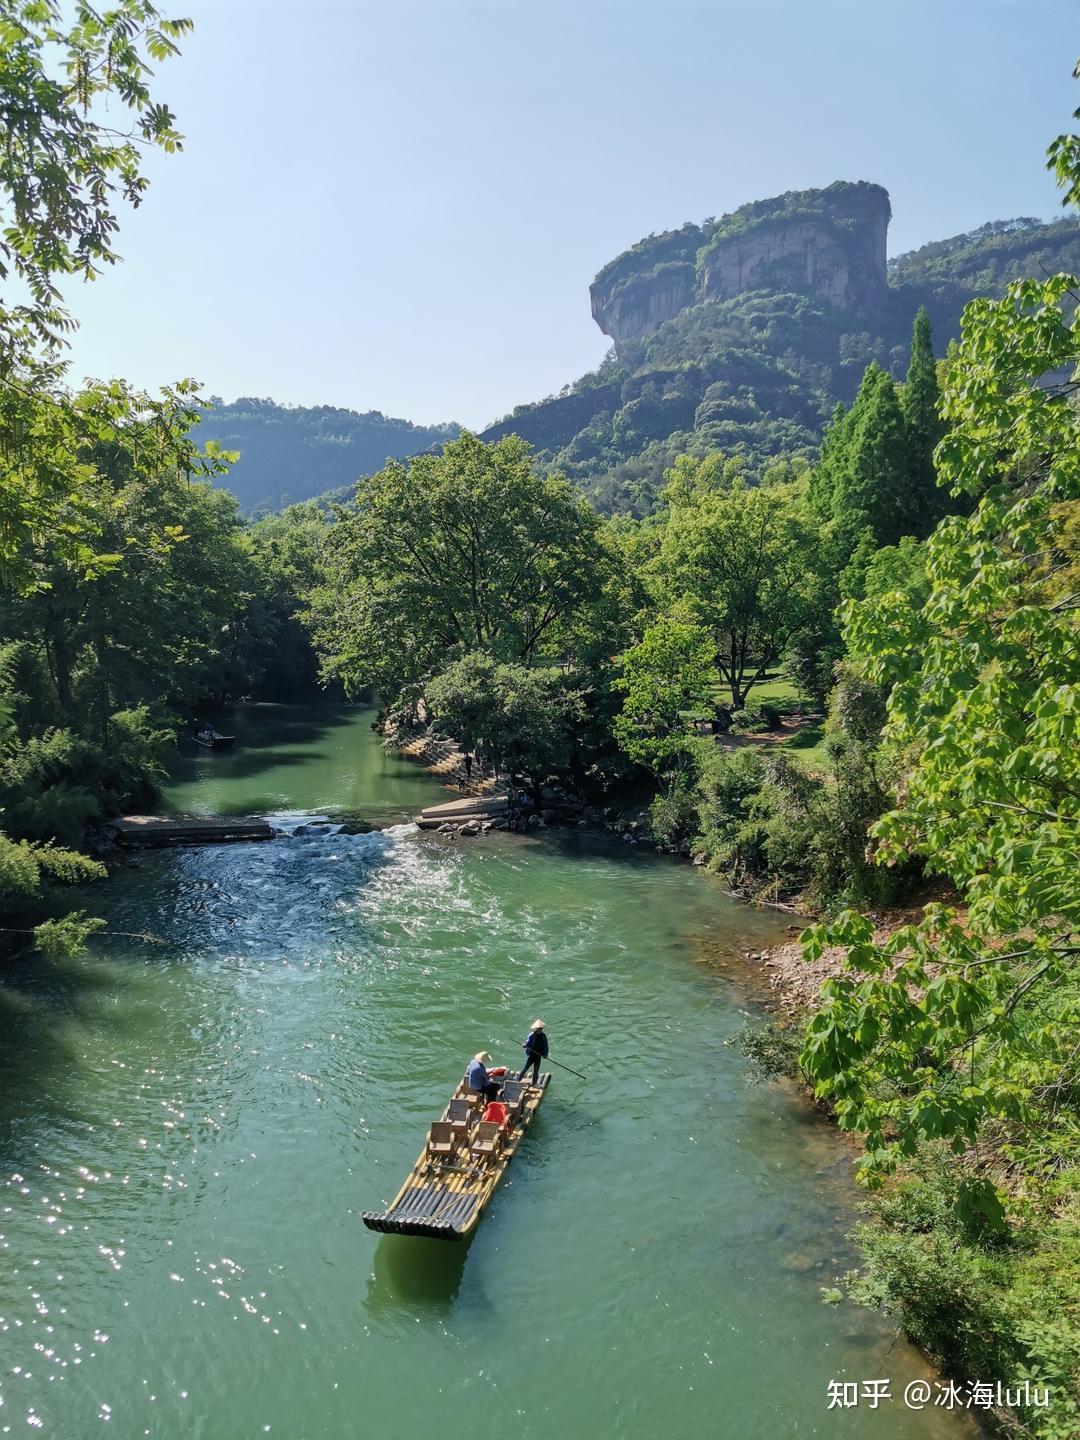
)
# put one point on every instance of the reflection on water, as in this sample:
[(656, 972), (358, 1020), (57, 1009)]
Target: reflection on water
[(189, 1132), (412, 1275)]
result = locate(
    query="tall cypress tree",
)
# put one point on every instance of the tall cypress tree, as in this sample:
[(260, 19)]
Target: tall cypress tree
[(919, 402), (875, 486), (823, 477)]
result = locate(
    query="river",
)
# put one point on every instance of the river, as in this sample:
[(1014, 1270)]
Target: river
[(194, 1114)]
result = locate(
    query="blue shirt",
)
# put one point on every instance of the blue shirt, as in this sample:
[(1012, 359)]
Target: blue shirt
[(476, 1077), (536, 1043)]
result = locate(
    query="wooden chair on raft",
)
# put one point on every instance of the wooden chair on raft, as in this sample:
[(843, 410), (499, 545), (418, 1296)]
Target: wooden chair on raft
[(488, 1139), (442, 1140), (459, 1114)]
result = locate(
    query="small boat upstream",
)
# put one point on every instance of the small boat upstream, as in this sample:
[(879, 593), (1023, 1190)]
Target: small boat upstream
[(463, 1160), (211, 739)]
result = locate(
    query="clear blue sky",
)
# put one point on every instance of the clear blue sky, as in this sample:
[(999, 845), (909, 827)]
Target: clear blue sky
[(400, 205)]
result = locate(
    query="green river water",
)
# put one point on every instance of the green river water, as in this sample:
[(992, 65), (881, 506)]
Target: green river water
[(190, 1130)]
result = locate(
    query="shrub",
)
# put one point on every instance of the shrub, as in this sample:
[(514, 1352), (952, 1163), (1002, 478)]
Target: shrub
[(841, 863), (770, 717), (674, 814), (53, 785), (771, 1050), (727, 784), (984, 1303), (748, 721)]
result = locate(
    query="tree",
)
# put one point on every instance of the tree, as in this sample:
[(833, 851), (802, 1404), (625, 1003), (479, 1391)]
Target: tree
[(274, 653), (742, 559), (669, 672), (873, 483), (876, 471), (969, 1016), (468, 550), (62, 167), (522, 719), (919, 401), (136, 613)]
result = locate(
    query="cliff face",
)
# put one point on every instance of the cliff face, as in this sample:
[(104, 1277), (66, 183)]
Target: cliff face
[(826, 243), (742, 334)]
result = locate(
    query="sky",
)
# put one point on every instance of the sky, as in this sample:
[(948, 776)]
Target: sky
[(400, 205)]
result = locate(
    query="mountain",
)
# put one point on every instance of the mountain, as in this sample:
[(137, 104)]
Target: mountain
[(290, 453), (744, 332)]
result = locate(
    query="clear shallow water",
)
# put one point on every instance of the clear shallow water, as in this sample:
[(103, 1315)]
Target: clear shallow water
[(189, 1130), (307, 757)]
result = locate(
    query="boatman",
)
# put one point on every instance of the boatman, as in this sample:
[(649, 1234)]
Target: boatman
[(535, 1046), (478, 1079)]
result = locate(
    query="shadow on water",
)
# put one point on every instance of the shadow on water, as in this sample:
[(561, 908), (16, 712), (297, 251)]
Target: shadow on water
[(239, 764), (46, 1010), (264, 726), (267, 737), (413, 1274)]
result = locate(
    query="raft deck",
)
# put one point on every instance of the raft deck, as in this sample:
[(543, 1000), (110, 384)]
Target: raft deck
[(443, 1197)]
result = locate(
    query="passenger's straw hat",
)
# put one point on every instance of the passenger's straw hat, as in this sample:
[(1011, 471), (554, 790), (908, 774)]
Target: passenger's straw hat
[(537, 1025), (482, 1056)]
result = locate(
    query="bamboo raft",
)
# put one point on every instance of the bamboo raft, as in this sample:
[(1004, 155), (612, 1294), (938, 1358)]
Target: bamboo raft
[(460, 1166)]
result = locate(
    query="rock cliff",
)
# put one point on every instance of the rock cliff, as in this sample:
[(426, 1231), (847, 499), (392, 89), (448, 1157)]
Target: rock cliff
[(826, 243), (742, 334)]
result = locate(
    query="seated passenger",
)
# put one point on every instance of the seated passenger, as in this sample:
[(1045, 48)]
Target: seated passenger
[(478, 1079)]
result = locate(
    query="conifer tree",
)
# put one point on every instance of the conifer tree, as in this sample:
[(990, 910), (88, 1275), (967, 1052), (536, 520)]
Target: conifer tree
[(833, 452), (919, 402), (873, 474)]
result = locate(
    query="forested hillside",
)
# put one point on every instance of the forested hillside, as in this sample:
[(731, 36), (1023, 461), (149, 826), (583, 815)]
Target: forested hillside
[(289, 453), (695, 367), (758, 373)]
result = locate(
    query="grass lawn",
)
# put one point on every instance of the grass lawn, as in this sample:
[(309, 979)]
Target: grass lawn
[(779, 691), (806, 745)]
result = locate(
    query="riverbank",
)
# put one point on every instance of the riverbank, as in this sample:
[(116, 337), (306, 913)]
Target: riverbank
[(994, 1300)]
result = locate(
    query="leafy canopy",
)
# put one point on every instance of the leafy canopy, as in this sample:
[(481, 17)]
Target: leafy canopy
[(741, 559), (465, 551), (63, 166), (961, 1018)]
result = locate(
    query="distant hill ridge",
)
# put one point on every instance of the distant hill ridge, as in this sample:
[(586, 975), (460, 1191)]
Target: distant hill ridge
[(740, 333), (290, 453)]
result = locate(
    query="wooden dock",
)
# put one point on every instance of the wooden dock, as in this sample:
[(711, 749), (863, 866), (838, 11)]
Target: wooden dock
[(460, 812), (137, 831)]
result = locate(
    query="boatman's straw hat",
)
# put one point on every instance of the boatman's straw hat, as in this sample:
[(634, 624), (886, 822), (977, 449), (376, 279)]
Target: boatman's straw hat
[(537, 1025), (482, 1056)]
